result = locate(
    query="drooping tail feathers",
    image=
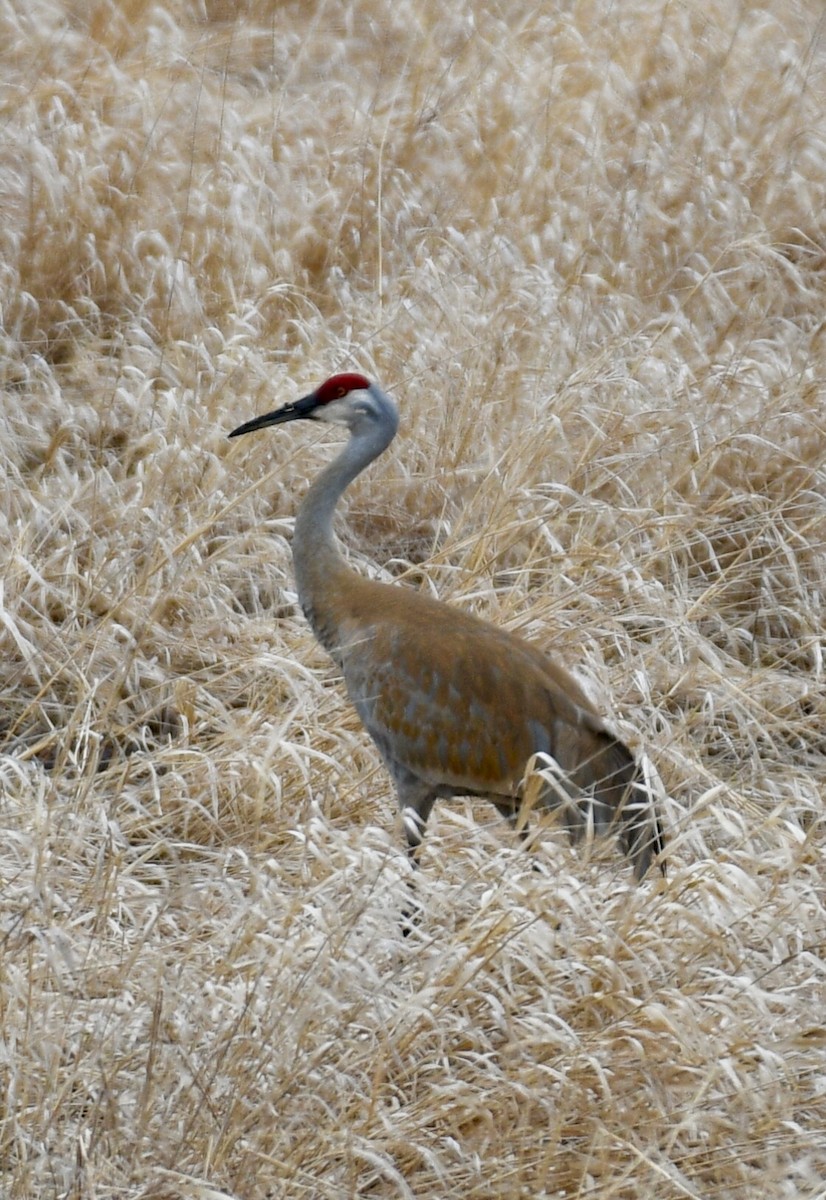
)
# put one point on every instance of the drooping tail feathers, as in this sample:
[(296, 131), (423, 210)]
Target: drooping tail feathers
[(623, 801), (610, 792), (641, 832)]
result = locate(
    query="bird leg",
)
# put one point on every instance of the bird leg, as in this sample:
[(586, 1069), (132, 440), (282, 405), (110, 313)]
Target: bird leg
[(414, 826), (519, 824), (416, 807)]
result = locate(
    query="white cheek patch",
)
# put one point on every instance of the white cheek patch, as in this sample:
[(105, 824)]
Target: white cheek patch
[(340, 412), (335, 413)]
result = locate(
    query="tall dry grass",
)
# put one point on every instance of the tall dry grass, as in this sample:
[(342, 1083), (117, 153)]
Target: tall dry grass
[(584, 246)]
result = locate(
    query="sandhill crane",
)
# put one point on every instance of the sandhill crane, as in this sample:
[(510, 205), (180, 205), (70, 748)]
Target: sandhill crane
[(455, 705)]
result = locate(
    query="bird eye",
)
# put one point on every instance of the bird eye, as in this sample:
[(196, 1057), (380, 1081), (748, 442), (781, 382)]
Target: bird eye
[(340, 391)]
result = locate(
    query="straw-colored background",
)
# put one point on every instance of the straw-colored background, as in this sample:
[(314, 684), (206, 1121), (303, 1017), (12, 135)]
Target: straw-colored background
[(583, 244)]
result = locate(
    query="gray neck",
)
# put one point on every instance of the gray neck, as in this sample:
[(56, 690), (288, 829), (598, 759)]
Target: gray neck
[(316, 555)]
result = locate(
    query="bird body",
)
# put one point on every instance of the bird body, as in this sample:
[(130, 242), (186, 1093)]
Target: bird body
[(455, 705)]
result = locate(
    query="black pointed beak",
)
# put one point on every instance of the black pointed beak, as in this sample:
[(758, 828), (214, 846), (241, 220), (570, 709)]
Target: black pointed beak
[(302, 409)]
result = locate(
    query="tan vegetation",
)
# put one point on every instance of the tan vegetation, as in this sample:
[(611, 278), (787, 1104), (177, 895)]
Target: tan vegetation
[(583, 244)]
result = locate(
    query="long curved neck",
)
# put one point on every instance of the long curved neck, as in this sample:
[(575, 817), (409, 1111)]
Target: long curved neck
[(321, 573)]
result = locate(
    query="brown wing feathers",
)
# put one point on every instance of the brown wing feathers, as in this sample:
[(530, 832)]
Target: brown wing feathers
[(463, 706)]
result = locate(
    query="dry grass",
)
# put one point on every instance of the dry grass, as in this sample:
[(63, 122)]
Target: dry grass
[(584, 245)]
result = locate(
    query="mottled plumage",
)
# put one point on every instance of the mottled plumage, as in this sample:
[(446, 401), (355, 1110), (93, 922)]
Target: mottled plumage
[(455, 705)]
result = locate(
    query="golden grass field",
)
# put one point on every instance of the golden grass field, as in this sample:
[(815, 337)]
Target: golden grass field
[(583, 243)]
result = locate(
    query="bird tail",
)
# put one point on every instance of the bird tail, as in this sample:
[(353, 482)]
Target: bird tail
[(623, 801), (640, 828), (610, 792)]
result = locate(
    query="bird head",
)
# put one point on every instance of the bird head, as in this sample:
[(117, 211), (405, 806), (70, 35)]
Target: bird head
[(348, 399)]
